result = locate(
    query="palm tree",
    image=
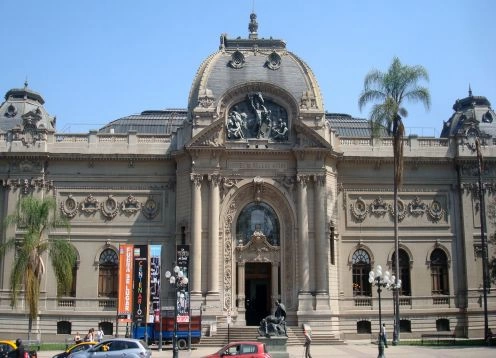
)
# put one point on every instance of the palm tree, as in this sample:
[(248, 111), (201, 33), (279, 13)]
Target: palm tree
[(36, 218), (388, 91)]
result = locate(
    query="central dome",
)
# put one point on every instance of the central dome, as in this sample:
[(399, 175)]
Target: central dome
[(241, 61)]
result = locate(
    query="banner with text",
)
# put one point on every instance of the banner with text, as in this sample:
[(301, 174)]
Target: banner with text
[(155, 267), (141, 268), (125, 304), (183, 298)]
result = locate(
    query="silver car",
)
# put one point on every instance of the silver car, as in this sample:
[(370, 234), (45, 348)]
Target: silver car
[(116, 348)]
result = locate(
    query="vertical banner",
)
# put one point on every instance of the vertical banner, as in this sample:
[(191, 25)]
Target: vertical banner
[(182, 259), (125, 304), (155, 267), (141, 267)]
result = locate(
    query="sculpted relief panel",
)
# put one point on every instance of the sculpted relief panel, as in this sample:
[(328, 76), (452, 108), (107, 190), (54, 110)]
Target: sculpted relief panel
[(412, 209), (256, 117)]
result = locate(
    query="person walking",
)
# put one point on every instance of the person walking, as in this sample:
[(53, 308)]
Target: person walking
[(90, 337), (99, 335), (308, 340), (20, 351), (384, 335)]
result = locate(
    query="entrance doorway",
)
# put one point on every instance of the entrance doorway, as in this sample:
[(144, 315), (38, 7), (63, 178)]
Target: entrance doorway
[(257, 292)]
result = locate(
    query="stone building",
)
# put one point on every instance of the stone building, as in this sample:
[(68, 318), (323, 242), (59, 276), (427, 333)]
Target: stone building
[(277, 197)]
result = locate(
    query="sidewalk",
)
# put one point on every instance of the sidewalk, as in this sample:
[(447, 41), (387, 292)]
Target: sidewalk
[(350, 349)]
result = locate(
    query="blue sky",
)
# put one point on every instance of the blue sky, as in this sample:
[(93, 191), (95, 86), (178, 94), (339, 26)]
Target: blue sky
[(94, 61)]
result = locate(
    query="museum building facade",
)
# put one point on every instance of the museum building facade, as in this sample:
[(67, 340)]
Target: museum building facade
[(276, 197)]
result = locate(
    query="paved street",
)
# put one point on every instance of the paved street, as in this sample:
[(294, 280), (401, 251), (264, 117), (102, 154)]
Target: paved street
[(351, 349)]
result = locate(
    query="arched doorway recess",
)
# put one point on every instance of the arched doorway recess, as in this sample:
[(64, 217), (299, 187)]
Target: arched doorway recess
[(258, 266)]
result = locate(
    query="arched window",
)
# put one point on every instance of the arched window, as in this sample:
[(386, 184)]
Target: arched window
[(71, 291), (257, 217), (108, 274), (361, 269), (404, 275), (64, 327), (107, 328), (364, 327), (439, 272)]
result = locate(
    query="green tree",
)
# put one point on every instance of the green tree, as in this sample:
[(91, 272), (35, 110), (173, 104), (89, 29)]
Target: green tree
[(36, 219), (388, 91)]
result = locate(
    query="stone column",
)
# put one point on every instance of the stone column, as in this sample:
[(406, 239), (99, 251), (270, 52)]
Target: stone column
[(241, 293), (196, 233), (304, 296), (321, 245), (213, 236), (320, 240), (275, 281)]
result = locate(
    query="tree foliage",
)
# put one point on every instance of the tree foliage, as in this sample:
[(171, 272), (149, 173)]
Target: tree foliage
[(35, 219), (388, 91)]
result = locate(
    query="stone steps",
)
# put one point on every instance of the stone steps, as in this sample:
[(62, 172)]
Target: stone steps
[(250, 333)]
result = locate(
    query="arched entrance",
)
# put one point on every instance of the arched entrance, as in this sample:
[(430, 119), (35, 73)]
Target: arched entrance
[(257, 292), (259, 251)]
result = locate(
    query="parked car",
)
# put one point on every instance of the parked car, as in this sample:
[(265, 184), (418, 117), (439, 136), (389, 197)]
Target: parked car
[(6, 347), (250, 349), (75, 348), (116, 348)]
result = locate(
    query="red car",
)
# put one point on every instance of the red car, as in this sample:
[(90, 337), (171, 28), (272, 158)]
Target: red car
[(251, 349)]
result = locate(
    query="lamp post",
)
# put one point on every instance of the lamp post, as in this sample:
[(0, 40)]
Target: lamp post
[(474, 144), (178, 281), (380, 280)]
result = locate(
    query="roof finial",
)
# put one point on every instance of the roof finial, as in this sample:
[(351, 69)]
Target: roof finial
[(253, 26), (469, 90)]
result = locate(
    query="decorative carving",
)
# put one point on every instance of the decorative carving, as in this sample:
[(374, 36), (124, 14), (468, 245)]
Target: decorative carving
[(435, 211), (401, 210), (237, 60), (89, 205), (11, 111), (228, 252), (110, 207), (273, 61), (131, 205), (206, 98), (69, 207), (258, 249), (378, 207), (359, 209), (258, 188), (416, 207), (257, 117), (196, 179), (308, 100), (150, 209)]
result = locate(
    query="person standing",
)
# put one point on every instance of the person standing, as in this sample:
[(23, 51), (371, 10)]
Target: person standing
[(308, 340), (90, 337), (77, 338), (99, 335), (384, 335), (20, 351)]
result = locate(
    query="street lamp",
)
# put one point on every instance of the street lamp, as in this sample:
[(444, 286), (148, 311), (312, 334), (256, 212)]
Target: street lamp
[(178, 281), (376, 278), (474, 144)]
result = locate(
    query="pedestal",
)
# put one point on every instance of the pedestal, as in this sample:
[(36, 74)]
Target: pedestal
[(277, 346)]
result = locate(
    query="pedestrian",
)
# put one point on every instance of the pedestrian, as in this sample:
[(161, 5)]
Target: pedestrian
[(99, 335), (20, 352), (90, 335), (308, 340), (384, 335), (77, 338)]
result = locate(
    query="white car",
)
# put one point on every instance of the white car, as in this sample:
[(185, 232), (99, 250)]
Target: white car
[(116, 348)]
